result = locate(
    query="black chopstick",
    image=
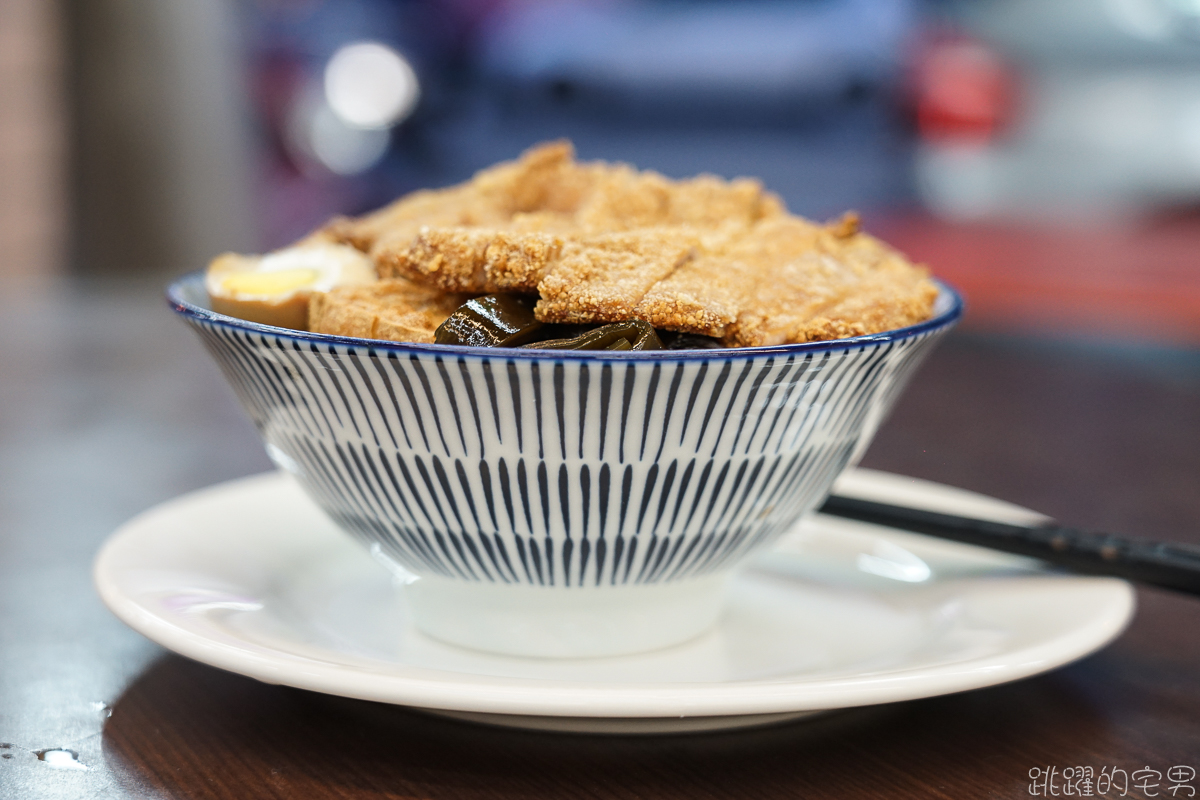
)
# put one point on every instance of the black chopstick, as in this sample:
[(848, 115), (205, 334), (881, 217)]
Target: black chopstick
[(1167, 565)]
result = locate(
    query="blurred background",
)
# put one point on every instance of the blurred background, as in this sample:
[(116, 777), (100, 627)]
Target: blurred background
[(1044, 155)]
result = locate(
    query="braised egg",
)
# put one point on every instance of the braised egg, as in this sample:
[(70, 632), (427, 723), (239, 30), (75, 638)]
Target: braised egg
[(275, 289)]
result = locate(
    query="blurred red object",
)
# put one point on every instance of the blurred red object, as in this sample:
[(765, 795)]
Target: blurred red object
[(1133, 280), (962, 90)]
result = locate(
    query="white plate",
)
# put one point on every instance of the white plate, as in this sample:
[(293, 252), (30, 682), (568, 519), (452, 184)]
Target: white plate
[(250, 577)]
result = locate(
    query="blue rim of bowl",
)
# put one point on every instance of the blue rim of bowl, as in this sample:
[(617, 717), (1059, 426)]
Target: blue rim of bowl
[(174, 296)]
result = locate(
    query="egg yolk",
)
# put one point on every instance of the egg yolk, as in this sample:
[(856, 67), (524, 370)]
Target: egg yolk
[(276, 282)]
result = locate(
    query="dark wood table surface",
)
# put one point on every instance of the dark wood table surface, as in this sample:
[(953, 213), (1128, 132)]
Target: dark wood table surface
[(108, 407)]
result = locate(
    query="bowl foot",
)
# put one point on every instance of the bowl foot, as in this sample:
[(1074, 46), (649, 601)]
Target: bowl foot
[(565, 622)]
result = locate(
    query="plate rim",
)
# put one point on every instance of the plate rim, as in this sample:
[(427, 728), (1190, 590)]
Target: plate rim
[(421, 687)]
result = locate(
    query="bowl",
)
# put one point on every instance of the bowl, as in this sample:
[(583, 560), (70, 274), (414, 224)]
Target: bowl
[(561, 503)]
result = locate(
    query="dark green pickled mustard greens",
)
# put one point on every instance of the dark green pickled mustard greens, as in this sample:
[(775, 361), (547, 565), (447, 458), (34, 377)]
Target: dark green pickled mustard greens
[(507, 320), (494, 320), (634, 333), (690, 341)]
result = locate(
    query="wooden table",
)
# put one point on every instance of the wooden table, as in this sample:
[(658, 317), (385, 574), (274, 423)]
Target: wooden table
[(108, 406)]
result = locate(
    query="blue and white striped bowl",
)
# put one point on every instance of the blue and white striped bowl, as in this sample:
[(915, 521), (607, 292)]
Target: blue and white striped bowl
[(557, 503)]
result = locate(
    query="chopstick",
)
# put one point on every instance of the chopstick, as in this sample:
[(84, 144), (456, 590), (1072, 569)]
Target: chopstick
[(1166, 565)]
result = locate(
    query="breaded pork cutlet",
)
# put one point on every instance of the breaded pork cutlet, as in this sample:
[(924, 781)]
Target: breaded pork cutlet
[(545, 182), (603, 278), (571, 202), (397, 310), (604, 242), (707, 294), (806, 283), (478, 260)]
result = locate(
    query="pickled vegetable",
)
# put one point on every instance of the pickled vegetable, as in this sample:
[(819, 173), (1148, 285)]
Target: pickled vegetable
[(494, 320), (632, 334), (505, 320), (690, 341)]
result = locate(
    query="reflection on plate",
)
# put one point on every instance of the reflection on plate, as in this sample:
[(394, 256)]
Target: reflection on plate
[(249, 576)]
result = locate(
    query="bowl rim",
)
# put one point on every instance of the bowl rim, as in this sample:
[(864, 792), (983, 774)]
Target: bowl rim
[(175, 298)]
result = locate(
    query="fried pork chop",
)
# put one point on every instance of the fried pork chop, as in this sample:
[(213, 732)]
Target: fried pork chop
[(602, 242), (398, 310)]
